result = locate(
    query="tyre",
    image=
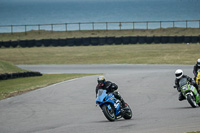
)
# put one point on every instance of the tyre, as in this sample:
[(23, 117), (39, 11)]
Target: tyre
[(128, 113), (191, 101), (109, 114)]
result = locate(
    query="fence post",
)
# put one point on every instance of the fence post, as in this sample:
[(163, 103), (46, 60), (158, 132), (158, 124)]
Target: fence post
[(79, 26), (147, 25), (120, 25), (25, 30), (11, 29), (186, 22), (92, 25), (199, 24), (39, 28), (51, 27), (106, 25), (133, 25), (173, 24), (160, 24), (66, 27)]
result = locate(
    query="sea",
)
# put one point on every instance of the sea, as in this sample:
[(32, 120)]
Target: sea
[(62, 12)]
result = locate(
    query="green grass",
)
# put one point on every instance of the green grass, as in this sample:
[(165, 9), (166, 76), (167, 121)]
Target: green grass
[(99, 33), (13, 87), (6, 67), (18, 86), (108, 54)]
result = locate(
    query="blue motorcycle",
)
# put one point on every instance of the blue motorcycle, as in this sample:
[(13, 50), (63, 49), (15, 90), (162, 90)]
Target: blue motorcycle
[(112, 107)]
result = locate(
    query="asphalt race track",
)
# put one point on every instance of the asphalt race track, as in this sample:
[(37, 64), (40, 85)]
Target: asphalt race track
[(69, 107)]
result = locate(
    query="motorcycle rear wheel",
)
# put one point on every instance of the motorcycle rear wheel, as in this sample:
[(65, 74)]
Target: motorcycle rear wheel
[(109, 114), (128, 113)]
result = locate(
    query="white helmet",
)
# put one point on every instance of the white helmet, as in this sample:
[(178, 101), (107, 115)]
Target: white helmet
[(198, 62), (179, 73)]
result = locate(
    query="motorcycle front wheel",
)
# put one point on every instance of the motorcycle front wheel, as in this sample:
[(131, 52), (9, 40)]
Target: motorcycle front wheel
[(191, 101), (109, 114)]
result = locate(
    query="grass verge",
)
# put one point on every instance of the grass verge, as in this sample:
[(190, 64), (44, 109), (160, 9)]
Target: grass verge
[(13, 87), (107, 54), (6, 67)]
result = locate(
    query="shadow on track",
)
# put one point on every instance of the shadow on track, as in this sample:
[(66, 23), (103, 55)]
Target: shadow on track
[(184, 108), (120, 120)]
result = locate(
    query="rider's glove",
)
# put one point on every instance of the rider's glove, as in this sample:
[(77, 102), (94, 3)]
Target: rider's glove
[(193, 82), (179, 90)]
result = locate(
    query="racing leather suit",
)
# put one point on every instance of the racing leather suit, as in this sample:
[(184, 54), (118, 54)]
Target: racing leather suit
[(196, 68)]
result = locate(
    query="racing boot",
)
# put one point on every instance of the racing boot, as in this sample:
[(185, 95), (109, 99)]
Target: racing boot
[(118, 96), (181, 97), (124, 105)]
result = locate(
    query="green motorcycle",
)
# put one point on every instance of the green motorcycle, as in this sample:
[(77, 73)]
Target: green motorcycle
[(189, 92)]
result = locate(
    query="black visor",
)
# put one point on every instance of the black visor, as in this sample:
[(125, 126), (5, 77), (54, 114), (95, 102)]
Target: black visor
[(179, 74), (101, 82)]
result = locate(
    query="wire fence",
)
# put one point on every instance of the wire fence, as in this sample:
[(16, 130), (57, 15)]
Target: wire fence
[(100, 26)]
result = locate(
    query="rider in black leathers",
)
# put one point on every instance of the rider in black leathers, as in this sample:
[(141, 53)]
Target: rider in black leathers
[(179, 75), (196, 68), (110, 87)]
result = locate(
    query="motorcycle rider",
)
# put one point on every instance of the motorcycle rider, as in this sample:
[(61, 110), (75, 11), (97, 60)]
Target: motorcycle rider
[(179, 75), (196, 68), (110, 87)]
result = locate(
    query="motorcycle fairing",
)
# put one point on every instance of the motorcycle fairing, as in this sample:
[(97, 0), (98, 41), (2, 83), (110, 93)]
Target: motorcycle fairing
[(187, 88), (104, 99)]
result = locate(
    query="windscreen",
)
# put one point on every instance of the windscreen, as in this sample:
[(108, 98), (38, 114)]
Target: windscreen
[(183, 82), (100, 91)]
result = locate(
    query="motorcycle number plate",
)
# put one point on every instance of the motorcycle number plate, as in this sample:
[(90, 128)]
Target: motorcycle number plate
[(116, 104), (192, 88)]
